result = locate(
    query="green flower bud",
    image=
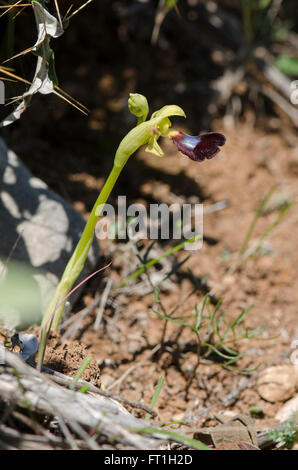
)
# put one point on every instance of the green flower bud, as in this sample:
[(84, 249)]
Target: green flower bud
[(138, 106)]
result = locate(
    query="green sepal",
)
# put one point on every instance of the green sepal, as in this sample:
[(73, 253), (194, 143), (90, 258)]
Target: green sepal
[(153, 147)]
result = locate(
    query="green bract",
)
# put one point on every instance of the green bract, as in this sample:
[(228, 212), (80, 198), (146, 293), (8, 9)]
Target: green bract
[(147, 132)]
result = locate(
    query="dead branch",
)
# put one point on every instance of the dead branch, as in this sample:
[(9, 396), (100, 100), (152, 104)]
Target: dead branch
[(82, 412)]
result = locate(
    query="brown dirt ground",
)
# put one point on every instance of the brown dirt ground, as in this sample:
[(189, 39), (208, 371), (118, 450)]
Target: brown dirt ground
[(250, 163)]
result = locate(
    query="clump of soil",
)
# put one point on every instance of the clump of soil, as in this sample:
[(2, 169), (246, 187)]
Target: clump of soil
[(66, 357)]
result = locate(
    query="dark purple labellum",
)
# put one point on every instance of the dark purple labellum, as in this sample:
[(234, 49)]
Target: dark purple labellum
[(199, 147)]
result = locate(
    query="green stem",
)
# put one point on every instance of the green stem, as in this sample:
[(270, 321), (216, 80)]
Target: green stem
[(77, 261)]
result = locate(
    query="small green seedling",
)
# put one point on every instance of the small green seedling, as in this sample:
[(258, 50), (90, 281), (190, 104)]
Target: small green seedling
[(286, 435)]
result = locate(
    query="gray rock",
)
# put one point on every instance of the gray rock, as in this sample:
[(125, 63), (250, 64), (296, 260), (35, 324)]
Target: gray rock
[(37, 226), (287, 411)]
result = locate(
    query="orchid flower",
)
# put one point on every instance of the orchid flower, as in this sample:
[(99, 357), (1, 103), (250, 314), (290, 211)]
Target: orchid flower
[(198, 147)]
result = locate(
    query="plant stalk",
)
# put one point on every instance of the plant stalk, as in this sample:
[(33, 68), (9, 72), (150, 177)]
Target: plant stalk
[(79, 256)]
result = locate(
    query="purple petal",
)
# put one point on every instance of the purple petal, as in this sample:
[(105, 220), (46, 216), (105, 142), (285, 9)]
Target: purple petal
[(200, 147)]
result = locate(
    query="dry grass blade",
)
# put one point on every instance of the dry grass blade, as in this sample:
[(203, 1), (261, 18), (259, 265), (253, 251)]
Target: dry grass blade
[(73, 324), (8, 72), (24, 52), (59, 92), (7, 79), (13, 100), (15, 5), (68, 436), (10, 7), (68, 10), (104, 299), (19, 12), (77, 11), (72, 100), (65, 380), (58, 13), (80, 431), (132, 368)]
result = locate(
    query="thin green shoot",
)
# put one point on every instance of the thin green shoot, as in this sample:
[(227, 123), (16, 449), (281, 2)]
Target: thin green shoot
[(222, 355), (156, 295), (241, 370), (175, 320), (237, 321), (84, 389), (147, 252), (81, 370), (167, 253), (170, 423), (174, 269), (155, 397), (172, 435), (213, 315), (215, 340), (258, 214), (199, 314), (267, 232)]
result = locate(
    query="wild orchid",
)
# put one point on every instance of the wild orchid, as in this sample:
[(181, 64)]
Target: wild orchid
[(146, 132)]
